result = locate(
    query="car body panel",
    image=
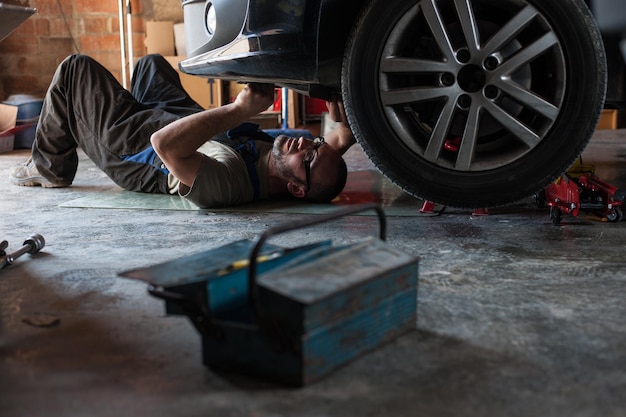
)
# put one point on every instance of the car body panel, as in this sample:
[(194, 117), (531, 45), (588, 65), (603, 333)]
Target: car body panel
[(300, 45)]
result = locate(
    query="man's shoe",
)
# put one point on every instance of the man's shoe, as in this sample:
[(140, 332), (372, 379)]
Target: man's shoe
[(27, 175)]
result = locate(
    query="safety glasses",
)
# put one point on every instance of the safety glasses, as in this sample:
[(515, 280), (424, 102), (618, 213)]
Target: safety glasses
[(309, 156)]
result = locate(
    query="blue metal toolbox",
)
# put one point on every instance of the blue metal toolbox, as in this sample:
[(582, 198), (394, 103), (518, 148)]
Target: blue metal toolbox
[(291, 315)]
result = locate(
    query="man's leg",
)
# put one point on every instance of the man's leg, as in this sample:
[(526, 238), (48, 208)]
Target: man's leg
[(85, 106), (156, 84)]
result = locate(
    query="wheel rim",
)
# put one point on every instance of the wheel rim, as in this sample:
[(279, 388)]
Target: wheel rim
[(471, 85)]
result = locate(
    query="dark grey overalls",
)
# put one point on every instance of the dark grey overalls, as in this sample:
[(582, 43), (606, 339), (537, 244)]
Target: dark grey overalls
[(86, 106)]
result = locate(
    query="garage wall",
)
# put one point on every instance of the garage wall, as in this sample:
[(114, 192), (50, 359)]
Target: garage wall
[(29, 56)]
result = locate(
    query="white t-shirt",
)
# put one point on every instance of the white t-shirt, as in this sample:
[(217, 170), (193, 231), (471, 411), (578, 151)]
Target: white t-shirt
[(223, 179)]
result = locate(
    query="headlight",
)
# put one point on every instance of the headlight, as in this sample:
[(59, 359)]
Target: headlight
[(210, 18)]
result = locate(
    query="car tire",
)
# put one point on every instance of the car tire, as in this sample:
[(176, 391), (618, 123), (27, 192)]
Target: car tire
[(474, 103)]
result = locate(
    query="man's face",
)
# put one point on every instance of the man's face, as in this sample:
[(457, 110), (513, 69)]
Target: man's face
[(289, 154)]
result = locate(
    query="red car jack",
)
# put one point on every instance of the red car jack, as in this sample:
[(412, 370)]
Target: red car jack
[(580, 189)]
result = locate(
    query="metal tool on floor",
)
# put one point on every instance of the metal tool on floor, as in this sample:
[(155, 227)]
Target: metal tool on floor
[(33, 244), (291, 315)]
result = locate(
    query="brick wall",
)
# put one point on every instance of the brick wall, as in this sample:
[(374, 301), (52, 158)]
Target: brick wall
[(29, 56)]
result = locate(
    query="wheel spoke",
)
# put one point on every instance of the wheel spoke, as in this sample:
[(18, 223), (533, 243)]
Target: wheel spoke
[(526, 55), (411, 65), (415, 95), (440, 132), (528, 98), (509, 31), (470, 138), (431, 13), (513, 125), (468, 23)]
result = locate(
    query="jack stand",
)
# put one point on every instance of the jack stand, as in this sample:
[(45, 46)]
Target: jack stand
[(429, 209), (480, 212), (580, 189)]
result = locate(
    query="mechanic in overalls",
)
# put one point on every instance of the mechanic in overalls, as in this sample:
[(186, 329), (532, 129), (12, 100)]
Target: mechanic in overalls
[(156, 139)]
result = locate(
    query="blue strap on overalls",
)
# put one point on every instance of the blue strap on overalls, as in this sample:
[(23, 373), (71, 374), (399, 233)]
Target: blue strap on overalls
[(147, 157), (248, 152), (250, 155)]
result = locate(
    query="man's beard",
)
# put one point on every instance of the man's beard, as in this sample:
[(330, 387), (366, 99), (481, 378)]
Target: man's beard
[(279, 159)]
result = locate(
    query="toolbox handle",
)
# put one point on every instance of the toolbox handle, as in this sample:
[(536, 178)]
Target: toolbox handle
[(252, 289)]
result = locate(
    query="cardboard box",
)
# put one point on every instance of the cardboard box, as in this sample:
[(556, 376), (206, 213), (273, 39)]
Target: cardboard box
[(8, 119), (608, 120), (179, 39), (160, 38), (166, 38), (267, 120), (207, 92)]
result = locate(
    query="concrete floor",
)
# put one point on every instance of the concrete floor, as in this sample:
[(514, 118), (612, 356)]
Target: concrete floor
[(516, 316)]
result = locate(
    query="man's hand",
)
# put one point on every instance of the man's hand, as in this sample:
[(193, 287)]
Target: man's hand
[(255, 98), (335, 109), (341, 137)]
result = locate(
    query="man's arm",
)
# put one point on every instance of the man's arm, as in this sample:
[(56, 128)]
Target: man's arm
[(177, 143), (341, 137)]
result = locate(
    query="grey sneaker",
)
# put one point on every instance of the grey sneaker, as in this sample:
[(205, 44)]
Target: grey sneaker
[(27, 175)]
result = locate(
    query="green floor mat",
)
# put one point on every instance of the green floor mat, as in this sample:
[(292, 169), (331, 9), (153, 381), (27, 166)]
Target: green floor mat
[(362, 187)]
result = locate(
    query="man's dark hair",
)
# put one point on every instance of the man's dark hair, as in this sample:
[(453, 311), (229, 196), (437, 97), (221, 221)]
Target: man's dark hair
[(324, 193)]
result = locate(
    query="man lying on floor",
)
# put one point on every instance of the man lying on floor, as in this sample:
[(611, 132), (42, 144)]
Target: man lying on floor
[(156, 139)]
